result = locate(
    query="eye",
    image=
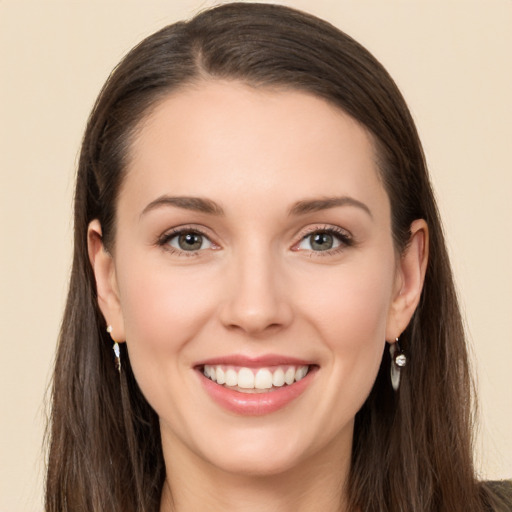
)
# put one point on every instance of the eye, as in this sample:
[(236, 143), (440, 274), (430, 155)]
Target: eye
[(187, 241), (324, 240)]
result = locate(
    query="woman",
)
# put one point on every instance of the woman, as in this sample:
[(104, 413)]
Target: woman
[(253, 222)]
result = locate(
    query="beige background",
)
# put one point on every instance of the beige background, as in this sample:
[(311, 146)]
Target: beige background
[(452, 60)]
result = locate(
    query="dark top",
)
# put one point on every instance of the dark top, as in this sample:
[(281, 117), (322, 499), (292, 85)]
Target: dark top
[(501, 495)]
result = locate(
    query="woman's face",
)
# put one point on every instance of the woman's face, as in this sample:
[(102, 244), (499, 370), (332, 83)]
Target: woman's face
[(253, 243)]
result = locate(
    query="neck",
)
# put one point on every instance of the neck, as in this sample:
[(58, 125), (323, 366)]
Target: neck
[(318, 483)]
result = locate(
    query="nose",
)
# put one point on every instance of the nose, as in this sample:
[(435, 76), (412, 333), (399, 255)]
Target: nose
[(256, 300)]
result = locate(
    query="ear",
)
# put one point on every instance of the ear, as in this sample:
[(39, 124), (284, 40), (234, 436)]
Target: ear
[(103, 267), (410, 276)]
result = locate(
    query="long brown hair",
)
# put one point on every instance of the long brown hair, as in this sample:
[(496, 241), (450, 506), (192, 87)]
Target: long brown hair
[(412, 449)]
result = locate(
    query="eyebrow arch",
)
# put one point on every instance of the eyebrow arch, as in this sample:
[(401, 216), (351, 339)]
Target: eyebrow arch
[(315, 205), (197, 204)]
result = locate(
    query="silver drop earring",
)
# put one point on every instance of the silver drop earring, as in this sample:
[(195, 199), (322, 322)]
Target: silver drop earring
[(117, 351), (398, 361)]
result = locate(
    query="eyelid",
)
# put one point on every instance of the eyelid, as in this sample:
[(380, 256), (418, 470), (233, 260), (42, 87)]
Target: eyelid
[(164, 238), (344, 237)]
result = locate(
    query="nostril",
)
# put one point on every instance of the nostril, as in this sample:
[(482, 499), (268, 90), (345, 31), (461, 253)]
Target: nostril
[(256, 319)]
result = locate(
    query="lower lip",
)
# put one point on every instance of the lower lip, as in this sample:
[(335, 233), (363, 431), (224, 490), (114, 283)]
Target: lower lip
[(255, 404)]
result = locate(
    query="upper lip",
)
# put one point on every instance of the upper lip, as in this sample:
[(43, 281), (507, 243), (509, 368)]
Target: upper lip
[(254, 362)]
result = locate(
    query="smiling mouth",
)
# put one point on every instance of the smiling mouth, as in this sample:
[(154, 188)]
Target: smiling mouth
[(255, 380)]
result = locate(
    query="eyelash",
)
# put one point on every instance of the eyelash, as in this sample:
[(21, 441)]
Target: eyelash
[(163, 240), (343, 237)]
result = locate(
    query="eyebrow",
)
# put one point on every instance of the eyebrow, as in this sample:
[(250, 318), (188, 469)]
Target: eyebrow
[(208, 206), (197, 204), (315, 205)]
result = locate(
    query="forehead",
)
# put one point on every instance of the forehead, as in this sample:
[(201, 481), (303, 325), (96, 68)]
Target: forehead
[(228, 139)]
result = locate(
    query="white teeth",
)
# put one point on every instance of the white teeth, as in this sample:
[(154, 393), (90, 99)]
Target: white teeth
[(262, 378), (221, 378), (231, 377), (278, 378), (245, 378), (289, 376), (301, 373)]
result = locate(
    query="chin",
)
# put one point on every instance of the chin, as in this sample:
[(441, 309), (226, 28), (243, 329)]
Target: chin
[(269, 449), (255, 463)]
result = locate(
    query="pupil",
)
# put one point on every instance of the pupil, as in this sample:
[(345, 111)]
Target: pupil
[(322, 241), (190, 241)]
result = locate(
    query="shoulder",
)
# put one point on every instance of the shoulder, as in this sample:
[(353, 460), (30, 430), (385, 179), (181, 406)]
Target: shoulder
[(498, 495)]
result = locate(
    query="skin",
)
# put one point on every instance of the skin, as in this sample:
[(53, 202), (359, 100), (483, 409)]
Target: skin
[(256, 286)]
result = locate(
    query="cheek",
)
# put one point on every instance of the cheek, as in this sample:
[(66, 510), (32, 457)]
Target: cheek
[(357, 337), (352, 307), (157, 299), (351, 317), (163, 310)]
